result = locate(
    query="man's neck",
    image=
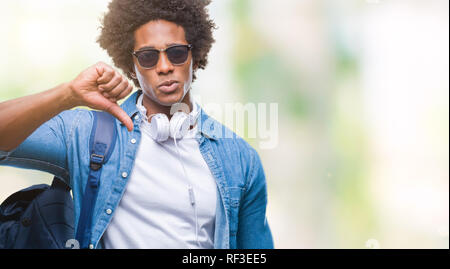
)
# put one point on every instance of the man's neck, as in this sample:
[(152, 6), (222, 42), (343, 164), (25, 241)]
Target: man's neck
[(152, 107)]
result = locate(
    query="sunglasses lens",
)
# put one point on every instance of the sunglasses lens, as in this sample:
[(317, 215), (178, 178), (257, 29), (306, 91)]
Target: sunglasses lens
[(148, 58), (178, 55)]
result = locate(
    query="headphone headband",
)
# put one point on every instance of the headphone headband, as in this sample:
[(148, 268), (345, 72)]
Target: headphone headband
[(160, 128)]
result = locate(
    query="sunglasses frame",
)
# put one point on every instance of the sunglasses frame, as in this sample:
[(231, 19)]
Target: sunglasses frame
[(134, 53)]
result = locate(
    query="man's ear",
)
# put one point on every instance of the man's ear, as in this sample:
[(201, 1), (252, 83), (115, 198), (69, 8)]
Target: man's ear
[(133, 75)]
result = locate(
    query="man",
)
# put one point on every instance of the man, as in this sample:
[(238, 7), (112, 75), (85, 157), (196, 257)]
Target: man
[(202, 189)]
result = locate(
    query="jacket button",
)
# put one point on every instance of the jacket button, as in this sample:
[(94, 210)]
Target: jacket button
[(133, 141), (91, 246), (124, 174), (108, 211)]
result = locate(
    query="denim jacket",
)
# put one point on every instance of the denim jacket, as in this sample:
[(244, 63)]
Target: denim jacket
[(61, 147)]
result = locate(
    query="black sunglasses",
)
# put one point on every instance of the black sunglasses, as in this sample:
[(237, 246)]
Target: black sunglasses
[(177, 55)]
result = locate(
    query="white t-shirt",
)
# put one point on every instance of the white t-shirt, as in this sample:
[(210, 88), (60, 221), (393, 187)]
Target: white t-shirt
[(155, 210)]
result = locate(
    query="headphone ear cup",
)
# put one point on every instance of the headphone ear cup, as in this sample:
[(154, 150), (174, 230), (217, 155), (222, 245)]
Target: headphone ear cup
[(159, 127), (179, 125)]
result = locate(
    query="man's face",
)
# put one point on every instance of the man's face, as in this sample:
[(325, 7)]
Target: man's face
[(161, 34)]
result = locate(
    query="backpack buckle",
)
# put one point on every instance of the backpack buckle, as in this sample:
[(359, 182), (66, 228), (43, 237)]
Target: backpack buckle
[(96, 161)]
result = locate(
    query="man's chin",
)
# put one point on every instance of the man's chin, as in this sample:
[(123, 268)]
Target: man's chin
[(169, 100)]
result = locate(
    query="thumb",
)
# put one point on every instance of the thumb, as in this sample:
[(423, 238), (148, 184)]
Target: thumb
[(121, 115), (100, 70)]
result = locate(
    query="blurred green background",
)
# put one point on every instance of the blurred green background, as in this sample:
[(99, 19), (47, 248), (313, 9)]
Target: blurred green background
[(362, 86)]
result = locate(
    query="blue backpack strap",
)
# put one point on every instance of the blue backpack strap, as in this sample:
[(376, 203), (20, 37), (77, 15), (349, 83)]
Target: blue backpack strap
[(101, 145)]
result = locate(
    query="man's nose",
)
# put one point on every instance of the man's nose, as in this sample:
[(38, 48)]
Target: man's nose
[(164, 65)]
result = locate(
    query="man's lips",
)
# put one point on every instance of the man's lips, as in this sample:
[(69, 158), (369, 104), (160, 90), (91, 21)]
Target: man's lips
[(169, 88), (167, 83)]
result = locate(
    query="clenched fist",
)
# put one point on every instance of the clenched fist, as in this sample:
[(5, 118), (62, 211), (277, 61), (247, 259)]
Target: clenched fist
[(100, 87)]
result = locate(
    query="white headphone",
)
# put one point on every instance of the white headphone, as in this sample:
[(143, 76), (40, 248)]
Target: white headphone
[(160, 128)]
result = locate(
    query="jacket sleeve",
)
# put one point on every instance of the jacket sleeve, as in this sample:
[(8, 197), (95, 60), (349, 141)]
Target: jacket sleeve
[(46, 148), (253, 229)]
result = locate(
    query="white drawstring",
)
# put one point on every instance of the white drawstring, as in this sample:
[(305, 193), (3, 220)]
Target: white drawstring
[(190, 188)]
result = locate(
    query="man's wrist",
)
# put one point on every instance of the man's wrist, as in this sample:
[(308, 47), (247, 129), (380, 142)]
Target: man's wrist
[(65, 96)]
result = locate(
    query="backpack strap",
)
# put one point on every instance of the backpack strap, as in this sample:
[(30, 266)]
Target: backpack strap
[(58, 183), (101, 145)]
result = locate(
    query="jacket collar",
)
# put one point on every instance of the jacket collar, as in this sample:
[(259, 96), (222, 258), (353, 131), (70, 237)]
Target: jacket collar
[(207, 126)]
